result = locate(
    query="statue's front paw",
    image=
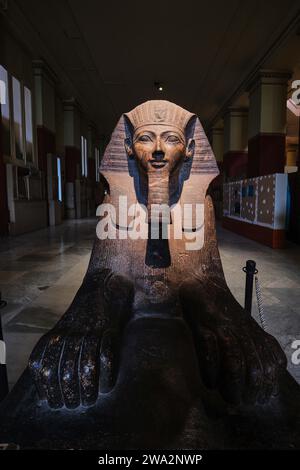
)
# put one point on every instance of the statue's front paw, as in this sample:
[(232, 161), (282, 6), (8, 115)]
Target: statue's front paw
[(235, 355), (72, 369), (243, 364), (78, 359)]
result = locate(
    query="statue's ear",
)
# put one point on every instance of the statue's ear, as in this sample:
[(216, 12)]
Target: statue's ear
[(190, 148), (128, 147), (189, 136), (128, 142)]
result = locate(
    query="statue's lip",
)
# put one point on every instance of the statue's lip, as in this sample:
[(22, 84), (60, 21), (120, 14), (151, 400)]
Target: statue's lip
[(158, 164)]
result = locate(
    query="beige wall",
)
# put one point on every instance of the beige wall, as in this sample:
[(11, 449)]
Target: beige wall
[(236, 130), (267, 98), (217, 142)]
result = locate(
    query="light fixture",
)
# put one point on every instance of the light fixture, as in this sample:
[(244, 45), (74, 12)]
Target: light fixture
[(159, 86)]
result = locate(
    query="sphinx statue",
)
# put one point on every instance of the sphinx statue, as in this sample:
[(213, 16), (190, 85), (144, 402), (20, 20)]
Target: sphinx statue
[(154, 339)]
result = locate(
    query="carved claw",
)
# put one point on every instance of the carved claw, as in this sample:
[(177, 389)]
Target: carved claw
[(78, 359), (235, 355)]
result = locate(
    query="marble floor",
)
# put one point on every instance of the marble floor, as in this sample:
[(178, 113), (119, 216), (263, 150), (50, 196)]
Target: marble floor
[(40, 273)]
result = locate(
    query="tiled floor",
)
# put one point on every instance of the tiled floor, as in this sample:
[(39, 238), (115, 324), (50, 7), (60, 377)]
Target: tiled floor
[(279, 278), (40, 273)]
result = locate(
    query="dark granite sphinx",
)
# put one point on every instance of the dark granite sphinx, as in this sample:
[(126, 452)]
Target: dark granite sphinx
[(154, 351)]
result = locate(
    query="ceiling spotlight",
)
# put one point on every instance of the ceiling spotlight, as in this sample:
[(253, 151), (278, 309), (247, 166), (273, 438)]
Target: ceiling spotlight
[(159, 86)]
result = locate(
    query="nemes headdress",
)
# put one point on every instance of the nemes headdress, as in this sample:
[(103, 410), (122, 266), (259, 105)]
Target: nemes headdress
[(159, 112), (115, 165)]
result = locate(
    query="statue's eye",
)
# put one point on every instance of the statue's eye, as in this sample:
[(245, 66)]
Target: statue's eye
[(144, 138), (173, 139)]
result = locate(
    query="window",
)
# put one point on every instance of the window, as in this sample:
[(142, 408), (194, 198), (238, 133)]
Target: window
[(16, 117), (84, 163), (59, 186), (18, 127), (28, 124), (5, 111), (97, 163)]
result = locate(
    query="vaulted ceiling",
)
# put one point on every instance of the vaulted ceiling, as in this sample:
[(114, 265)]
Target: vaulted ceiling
[(202, 51)]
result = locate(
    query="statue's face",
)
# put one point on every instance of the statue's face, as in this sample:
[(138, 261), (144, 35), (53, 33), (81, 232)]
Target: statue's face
[(160, 151), (157, 147)]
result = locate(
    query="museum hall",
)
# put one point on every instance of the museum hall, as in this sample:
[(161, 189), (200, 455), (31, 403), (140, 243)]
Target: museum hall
[(79, 84)]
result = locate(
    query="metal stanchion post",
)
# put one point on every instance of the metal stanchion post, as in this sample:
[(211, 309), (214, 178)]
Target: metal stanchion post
[(250, 270)]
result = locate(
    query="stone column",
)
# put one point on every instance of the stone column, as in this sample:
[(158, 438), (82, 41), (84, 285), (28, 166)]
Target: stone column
[(91, 153), (44, 88), (44, 84), (267, 123), (72, 153), (4, 214), (235, 142), (217, 144), (216, 186), (91, 180)]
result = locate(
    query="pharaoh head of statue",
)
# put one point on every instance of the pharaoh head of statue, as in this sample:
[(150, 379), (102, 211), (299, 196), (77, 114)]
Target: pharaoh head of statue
[(166, 157), (159, 138)]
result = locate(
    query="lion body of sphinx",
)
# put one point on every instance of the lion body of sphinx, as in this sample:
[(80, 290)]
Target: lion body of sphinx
[(154, 351), (158, 402), (158, 399)]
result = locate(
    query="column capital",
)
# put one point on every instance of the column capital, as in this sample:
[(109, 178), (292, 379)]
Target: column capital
[(236, 111), (92, 127), (45, 82), (269, 77), (216, 130), (71, 104), (42, 69)]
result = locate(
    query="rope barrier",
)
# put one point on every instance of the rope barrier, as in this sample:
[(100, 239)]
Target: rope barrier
[(260, 304)]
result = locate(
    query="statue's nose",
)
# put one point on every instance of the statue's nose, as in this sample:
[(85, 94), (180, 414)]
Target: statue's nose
[(158, 145), (158, 155)]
